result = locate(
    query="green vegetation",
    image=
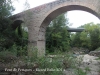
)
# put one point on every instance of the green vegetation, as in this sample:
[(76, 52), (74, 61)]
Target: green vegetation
[(14, 46), (87, 69), (80, 72), (10, 40), (5, 29), (89, 38), (57, 36), (13, 43)]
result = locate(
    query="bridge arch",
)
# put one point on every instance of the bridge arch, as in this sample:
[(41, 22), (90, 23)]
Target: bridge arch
[(54, 14), (38, 18), (61, 10)]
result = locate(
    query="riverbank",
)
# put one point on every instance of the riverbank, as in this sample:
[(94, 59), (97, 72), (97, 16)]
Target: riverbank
[(86, 65)]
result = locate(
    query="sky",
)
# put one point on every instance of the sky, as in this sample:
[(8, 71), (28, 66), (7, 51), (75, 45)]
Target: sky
[(76, 17)]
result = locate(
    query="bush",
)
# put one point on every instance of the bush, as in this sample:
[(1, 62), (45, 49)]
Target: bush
[(98, 49), (80, 72), (52, 68), (7, 56)]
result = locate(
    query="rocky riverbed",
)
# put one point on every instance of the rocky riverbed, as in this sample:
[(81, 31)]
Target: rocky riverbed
[(87, 65)]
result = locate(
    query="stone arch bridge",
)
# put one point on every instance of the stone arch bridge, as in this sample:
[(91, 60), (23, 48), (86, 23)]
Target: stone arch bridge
[(38, 18)]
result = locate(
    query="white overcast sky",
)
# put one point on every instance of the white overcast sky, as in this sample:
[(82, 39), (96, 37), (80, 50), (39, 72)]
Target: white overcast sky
[(76, 17)]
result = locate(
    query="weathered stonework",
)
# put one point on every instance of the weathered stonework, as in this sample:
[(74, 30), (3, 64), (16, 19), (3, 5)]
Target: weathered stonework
[(38, 18)]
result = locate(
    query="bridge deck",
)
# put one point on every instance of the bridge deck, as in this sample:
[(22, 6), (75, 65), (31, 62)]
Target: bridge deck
[(75, 29)]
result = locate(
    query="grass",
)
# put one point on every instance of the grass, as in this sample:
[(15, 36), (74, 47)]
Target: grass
[(80, 71), (87, 69), (56, 67)]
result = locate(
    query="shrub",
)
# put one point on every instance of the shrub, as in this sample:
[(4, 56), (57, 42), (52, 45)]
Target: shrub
[(7, 56), (80, 72)]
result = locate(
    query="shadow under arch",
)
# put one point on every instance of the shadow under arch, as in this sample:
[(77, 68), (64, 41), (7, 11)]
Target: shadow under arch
[(17, 24)]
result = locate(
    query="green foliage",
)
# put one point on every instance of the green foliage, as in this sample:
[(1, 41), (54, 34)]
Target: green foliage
[(18, 50), (75, 40), (5, 8), (89, 38), (6, 32), (98, 49), (69, 61), (80, 72), (10, 40), (21, 40), (57, 36), (87, 69), (95, 38), (7, 56), (5, 11), (52, 68)]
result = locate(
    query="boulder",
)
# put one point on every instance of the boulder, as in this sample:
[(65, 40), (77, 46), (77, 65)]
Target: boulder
[(95, 53)]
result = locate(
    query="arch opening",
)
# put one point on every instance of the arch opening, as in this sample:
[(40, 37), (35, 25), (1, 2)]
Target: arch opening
[(54, 14), (20, 36)]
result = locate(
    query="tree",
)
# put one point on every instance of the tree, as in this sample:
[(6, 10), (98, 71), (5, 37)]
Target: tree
[(89, 38), (75, 40), (6, 9), (57, 36), (93, 35), (95, 39), (12, 36)]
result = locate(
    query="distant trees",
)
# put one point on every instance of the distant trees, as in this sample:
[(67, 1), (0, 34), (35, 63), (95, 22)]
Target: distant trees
[(95, 38), (89, 38), (75, 39), (57, 36)]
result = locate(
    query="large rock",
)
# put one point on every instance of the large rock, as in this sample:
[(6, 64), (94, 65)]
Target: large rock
[(79, 50), (95, 53)]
